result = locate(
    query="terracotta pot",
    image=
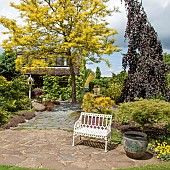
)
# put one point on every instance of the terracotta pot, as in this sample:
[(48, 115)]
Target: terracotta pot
[(135, 144)]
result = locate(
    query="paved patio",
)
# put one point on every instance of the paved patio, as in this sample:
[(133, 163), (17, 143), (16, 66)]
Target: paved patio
[(46, 142), (52, 149)]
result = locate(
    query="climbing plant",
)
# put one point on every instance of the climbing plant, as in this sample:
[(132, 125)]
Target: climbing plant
[(144, 60)]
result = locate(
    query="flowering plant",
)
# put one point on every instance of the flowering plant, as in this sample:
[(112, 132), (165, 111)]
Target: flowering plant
[(161, 149)]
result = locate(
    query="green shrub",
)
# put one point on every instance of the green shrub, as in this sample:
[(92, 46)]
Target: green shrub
[(3, 116), (51, 87), (116, 136), (103, 105), (14, 94), (59, 88), (23, 104), (115, 91), (56, 87), (144, 112), (124, 112), (10, 105), (110, 86), (98, 73)]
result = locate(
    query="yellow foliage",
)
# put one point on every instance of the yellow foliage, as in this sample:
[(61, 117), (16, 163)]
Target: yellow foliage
[(19, 62), (103, 105), (3, 79), (73, 28), (3, 82), (89, 79)]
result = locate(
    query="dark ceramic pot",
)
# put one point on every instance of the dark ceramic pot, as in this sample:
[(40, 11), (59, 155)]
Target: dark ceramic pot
[(135, 144)]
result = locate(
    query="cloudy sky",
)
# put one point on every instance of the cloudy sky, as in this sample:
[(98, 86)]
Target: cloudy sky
[(158, 15)]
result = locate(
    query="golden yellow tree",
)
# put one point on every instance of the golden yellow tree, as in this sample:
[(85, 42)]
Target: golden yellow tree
[(60, 28)]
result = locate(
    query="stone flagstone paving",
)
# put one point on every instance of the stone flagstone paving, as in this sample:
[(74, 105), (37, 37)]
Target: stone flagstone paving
[(57, 119), (40, 143)]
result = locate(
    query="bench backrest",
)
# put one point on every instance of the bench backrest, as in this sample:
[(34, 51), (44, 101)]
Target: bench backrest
[(95, 120)]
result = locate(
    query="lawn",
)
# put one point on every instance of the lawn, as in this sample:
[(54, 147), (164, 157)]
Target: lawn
[(161, 166), (4, 167)]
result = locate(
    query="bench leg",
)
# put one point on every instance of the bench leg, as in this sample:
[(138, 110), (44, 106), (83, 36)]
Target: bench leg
[(106, 141), (110, 139), (73, 141)]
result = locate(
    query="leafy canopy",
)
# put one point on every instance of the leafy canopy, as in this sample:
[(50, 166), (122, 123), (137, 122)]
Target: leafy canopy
[(55, 28)]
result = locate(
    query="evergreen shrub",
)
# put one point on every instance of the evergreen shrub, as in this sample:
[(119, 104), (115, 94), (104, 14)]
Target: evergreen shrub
[(115, 91), (144, 111), (14, 96)]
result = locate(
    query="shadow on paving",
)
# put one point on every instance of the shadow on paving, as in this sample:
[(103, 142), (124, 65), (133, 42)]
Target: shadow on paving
[(97, 144), (67, 106)]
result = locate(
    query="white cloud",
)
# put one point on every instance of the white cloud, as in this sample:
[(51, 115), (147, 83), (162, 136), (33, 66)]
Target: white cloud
[(157, 11), (7, 10)]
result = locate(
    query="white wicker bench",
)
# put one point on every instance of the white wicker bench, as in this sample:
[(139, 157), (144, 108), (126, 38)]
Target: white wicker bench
[(93, 125)]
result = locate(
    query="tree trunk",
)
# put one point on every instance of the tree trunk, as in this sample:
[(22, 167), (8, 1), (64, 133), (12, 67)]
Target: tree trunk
[(73, 81)]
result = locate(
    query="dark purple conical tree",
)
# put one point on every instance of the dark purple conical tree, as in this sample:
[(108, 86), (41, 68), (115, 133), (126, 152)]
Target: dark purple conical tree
[(144, 59)]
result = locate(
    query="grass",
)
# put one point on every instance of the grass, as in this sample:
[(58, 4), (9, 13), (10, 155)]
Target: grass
[(5, 167), (116, 136), (161, 166), (75, 114)]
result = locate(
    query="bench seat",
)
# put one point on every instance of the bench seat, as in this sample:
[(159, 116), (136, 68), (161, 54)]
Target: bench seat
[(92, 132), (93, 125)]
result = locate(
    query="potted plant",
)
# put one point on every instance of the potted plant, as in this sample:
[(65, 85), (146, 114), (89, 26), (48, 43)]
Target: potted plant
[(135, 144)]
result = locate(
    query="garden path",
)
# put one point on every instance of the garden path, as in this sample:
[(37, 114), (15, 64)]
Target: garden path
[(59, 118)]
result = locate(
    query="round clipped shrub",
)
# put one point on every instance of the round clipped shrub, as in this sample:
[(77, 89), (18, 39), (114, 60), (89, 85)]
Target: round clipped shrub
[(144, 111)]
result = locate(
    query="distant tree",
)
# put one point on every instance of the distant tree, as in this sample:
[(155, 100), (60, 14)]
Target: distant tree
[(144, 60), (98, 73), (166, 58), (60, 28), (120, 77), (7, 65)]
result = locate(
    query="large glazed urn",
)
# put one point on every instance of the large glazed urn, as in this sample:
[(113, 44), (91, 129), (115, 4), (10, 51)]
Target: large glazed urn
[(135, 144)]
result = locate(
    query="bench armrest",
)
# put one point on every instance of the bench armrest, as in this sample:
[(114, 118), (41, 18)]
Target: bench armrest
[(77, 124)]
